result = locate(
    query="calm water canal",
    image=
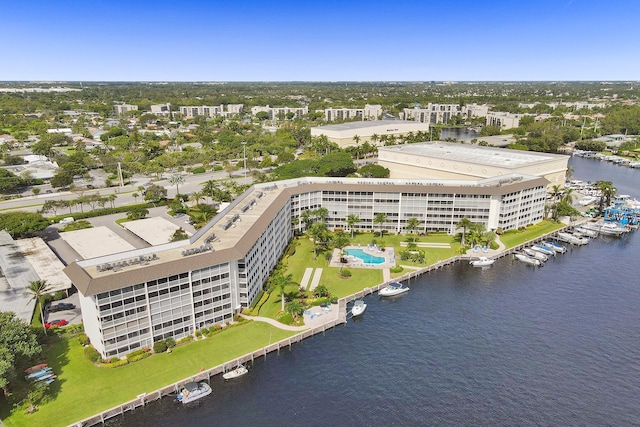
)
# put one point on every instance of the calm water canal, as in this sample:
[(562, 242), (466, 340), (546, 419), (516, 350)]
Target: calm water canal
[(506, 346)]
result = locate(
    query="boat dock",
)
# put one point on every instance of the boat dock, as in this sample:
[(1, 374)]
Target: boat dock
[(331, 322)]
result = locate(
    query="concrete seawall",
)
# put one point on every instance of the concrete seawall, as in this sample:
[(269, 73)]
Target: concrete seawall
[(287, 343)]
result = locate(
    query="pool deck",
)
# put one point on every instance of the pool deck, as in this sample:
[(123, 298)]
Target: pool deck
[(354, 262)]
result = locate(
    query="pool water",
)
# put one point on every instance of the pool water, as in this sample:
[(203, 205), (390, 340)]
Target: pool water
[(365, 257)]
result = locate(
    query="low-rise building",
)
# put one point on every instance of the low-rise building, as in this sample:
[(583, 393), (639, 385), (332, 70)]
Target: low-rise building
[(369, 112), (375, 132), (503, 120), (124, 108), (211, 111), (280, 113)]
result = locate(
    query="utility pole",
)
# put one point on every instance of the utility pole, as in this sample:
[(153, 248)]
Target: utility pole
[(120, 175)]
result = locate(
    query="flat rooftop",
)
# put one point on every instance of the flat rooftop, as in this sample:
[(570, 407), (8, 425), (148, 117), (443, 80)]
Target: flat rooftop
[(16, 272), (154, 230), (45, 262), (96, 242), (367, 124), (490, 156)]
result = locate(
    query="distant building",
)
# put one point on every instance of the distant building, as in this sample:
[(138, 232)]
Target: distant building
[(443, 160), (66, 131), (280, 112), (375, 131), (161, 109), (369, 112), (211, 111), (124, 108), (475, 110), (615, 140), (442, 113), (503, 120)]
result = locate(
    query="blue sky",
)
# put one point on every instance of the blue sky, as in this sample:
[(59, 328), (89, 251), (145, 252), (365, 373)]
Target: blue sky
[(320, 40)]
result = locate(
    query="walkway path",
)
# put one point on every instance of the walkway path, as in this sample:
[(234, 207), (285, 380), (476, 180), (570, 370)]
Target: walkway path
[(306, 277), (316, 279), (386, 274), (275, 323)]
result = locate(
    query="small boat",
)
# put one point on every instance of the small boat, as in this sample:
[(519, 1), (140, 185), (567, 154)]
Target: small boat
[(545, 250), (483, 261), (37, 374), (612, 229), (35, 368), (358, 308), (393, 289), (193, 391), (50, 376), (535, 254), (238, 372), (572, 239), (586, 231), (528, 260), (555, 246)]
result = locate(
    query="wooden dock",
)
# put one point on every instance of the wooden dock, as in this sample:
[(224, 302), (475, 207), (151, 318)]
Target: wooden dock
[(287, 343)]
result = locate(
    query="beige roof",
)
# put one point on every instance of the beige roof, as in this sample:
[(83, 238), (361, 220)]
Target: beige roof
[(95, 242), (231, 234), (154, 231)]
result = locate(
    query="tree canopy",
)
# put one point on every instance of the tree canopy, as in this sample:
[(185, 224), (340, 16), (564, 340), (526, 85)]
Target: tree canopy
[(18, 343), (22, 224)]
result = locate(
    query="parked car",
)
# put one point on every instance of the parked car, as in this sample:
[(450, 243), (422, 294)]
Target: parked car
[(61, 306), (57, 323)]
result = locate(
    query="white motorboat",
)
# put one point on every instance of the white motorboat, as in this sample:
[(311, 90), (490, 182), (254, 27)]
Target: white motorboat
[(545, 250), (612, 229), (528, 260), (482, 261), (358, 308), (193, 391), (555, 246), (238, 372), (586, 231), (535, 254), (393, 289), (572, 239)]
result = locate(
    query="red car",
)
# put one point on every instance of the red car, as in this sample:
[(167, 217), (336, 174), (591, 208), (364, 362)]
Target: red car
[(57, 323)]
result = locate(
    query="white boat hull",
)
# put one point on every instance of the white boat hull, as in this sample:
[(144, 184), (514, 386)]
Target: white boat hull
[(528, 260), (238, 372), (358, 308)]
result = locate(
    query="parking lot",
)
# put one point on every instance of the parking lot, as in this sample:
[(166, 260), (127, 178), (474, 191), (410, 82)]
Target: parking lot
[(72, 316)]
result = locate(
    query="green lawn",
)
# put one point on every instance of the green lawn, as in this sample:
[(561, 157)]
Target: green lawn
[(515, 238), (82, 389)]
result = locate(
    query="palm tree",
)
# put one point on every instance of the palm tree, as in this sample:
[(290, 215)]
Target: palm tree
[(318, 232), (380, 218), (352, 220), (135, 197), (465, 223), (607, 191), (176, 179), (37, 289), (196, 196), (281, 281), (567, 197), (412, 224), (296, 308), (556, 191)]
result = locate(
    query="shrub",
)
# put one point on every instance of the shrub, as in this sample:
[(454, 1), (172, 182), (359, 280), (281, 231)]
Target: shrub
[(91, 354), (204, 330), (159, 347), (138, 357), (83, 339), (186, 339), (115, 364), (59, 295), (217, 326), (136, 353), (198, 333), (397, 269), (199, 169), (345, 273), (218, 168), (170, 342)]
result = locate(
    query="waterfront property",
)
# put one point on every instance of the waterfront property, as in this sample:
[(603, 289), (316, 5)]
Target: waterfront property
[(345, 134), (131, 299)]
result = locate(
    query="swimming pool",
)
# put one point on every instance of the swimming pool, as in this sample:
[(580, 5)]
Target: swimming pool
[(365, 257)]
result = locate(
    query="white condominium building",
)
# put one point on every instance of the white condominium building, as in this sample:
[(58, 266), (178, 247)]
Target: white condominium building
[(124, 108), (161, 109), (503, 120), (211, 111), (369, 112), (132, 299), (280, 113)]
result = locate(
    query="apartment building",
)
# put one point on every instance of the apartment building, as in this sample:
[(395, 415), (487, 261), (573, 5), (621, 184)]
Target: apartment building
[(161, 109), (124, 108), (503, 120), (212, 111), (131, 299), (369, 112), (280, 113)]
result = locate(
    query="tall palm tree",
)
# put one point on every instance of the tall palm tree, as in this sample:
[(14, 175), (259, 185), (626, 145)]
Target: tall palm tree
[(196, 196), (176, 179), (412, 224), (380, 218), (37, 289), (465, 223), (318, 232), (352, 220), (281, 281)]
